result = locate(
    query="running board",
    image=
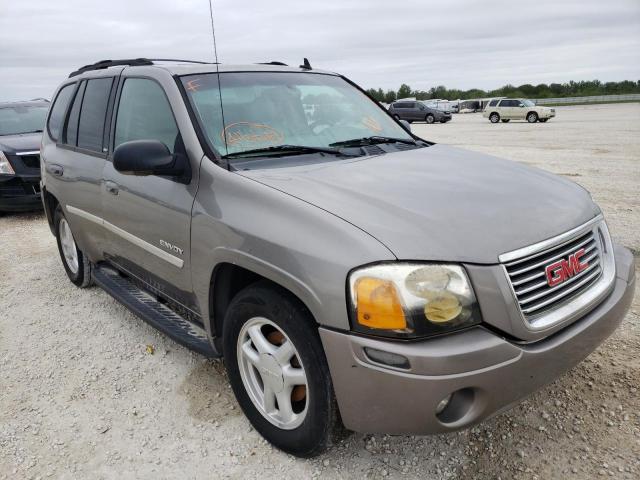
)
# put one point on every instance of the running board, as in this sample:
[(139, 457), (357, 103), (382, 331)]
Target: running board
[(152, 311)]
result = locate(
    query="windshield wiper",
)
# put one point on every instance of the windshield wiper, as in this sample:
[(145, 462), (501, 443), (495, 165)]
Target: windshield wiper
[(284, 149), (358, 142)]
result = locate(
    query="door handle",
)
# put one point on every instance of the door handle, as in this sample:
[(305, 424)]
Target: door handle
[(112, 187), (54, 169)]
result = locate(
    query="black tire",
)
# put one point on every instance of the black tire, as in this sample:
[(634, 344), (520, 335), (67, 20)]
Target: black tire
[(82, 277), (544, 120), (429, 118), (505, 120), (494, 117), (443, 121), (262, 300), (532, 117)]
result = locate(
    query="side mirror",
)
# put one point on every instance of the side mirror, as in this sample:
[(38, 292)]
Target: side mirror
[(421, 107), (147, 157), (406, 125), (521, 105)]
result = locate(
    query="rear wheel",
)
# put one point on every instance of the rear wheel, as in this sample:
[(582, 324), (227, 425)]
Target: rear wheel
[(532, 117), (75, 263), (494, 117), (429, 118), (278, 370)]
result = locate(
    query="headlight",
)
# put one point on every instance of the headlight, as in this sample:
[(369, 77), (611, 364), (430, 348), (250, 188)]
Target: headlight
[(5, 166), (411, 300)]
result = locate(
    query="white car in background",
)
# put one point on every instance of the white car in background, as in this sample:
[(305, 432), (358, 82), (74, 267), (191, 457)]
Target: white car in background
[(506, 109)]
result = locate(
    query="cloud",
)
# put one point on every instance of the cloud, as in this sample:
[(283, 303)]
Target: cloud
[(461, 44)]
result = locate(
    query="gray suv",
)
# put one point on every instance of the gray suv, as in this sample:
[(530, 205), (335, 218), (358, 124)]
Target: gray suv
[(416, 111), (347, 271)]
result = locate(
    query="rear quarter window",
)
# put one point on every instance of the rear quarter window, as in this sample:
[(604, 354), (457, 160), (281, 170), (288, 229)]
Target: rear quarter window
[(59, 108), (493, 103)]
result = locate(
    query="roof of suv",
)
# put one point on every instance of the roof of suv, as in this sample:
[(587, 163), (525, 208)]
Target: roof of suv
[(186, 67)]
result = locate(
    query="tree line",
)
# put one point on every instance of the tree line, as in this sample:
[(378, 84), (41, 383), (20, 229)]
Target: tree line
[(581, 88)]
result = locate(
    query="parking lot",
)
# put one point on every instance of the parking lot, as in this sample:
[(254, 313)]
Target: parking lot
[(90, 391)]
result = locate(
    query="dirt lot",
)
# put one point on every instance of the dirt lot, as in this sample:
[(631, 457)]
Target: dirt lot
[(81, 397)]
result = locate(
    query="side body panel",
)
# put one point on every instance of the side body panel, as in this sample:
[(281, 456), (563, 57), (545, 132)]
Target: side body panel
[(297, 245), (152, 214), (74, 177)]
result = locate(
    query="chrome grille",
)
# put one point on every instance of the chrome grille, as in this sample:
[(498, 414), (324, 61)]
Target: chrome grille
[(528, 276)]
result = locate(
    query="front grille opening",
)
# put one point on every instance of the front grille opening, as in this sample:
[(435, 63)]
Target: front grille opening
[(529, 278), (31, 161)]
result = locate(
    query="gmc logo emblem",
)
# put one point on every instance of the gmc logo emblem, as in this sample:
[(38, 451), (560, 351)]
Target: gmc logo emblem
[(562, 270)]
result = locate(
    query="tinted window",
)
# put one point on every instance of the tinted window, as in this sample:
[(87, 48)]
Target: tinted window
[(402, 105), (493, 103), (93, 113), (71, 136), (144, 113), (506, 103), (58, 110)]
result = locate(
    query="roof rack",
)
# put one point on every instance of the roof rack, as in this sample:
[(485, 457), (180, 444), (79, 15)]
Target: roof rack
[(131, 62), (273, 63)]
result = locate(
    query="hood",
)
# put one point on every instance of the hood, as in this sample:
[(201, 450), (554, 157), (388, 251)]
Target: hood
[(440, 203), (20, 143)]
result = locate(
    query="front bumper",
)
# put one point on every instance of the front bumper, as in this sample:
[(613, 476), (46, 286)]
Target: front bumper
[(489, 373), (20, 193)]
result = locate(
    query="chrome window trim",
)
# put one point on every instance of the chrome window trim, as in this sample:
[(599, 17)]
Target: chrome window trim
[(158, 252), (575, 307), (30, 152)]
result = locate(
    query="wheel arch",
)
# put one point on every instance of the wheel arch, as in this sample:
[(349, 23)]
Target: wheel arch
[(50, 203), (230, 277)]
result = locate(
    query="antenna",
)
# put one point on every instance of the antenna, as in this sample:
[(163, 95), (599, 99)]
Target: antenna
[(213, 31)]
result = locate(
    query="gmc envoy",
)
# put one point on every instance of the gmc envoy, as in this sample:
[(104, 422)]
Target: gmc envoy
[(346, 270)]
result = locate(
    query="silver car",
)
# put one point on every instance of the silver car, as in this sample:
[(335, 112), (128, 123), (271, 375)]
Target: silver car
[(347, 270)]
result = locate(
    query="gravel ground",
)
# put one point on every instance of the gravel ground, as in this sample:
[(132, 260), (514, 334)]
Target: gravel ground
[(87, 390)]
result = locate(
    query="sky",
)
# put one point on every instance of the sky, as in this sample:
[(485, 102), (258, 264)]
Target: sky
[(457, 43)]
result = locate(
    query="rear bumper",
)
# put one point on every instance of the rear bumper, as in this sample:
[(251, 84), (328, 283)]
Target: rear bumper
[(489, 373), (20, 194)]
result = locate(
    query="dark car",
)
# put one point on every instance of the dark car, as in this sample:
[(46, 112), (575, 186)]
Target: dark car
[(21, 125), (416, 111)]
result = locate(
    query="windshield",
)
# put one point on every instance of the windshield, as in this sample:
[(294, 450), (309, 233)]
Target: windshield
[(268, 109), (528, 103), (22, 119)]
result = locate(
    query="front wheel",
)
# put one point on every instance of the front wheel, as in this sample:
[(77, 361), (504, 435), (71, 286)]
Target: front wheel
[(429, 118), (505, 120), (494, 117), (278, 370), (532, 117), (544, 120), (75, 263)]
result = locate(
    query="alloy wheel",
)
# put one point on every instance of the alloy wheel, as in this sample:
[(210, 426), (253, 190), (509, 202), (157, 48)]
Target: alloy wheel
[(68, 245), (272, 373)]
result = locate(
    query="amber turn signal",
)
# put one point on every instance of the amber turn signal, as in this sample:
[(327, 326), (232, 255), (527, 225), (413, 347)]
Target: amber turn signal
[(378, 304)]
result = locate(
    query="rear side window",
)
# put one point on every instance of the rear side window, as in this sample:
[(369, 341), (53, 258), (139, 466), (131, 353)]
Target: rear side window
[(58, 110), (493, 103), (144, 113), (93, 114), (71, 135)]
